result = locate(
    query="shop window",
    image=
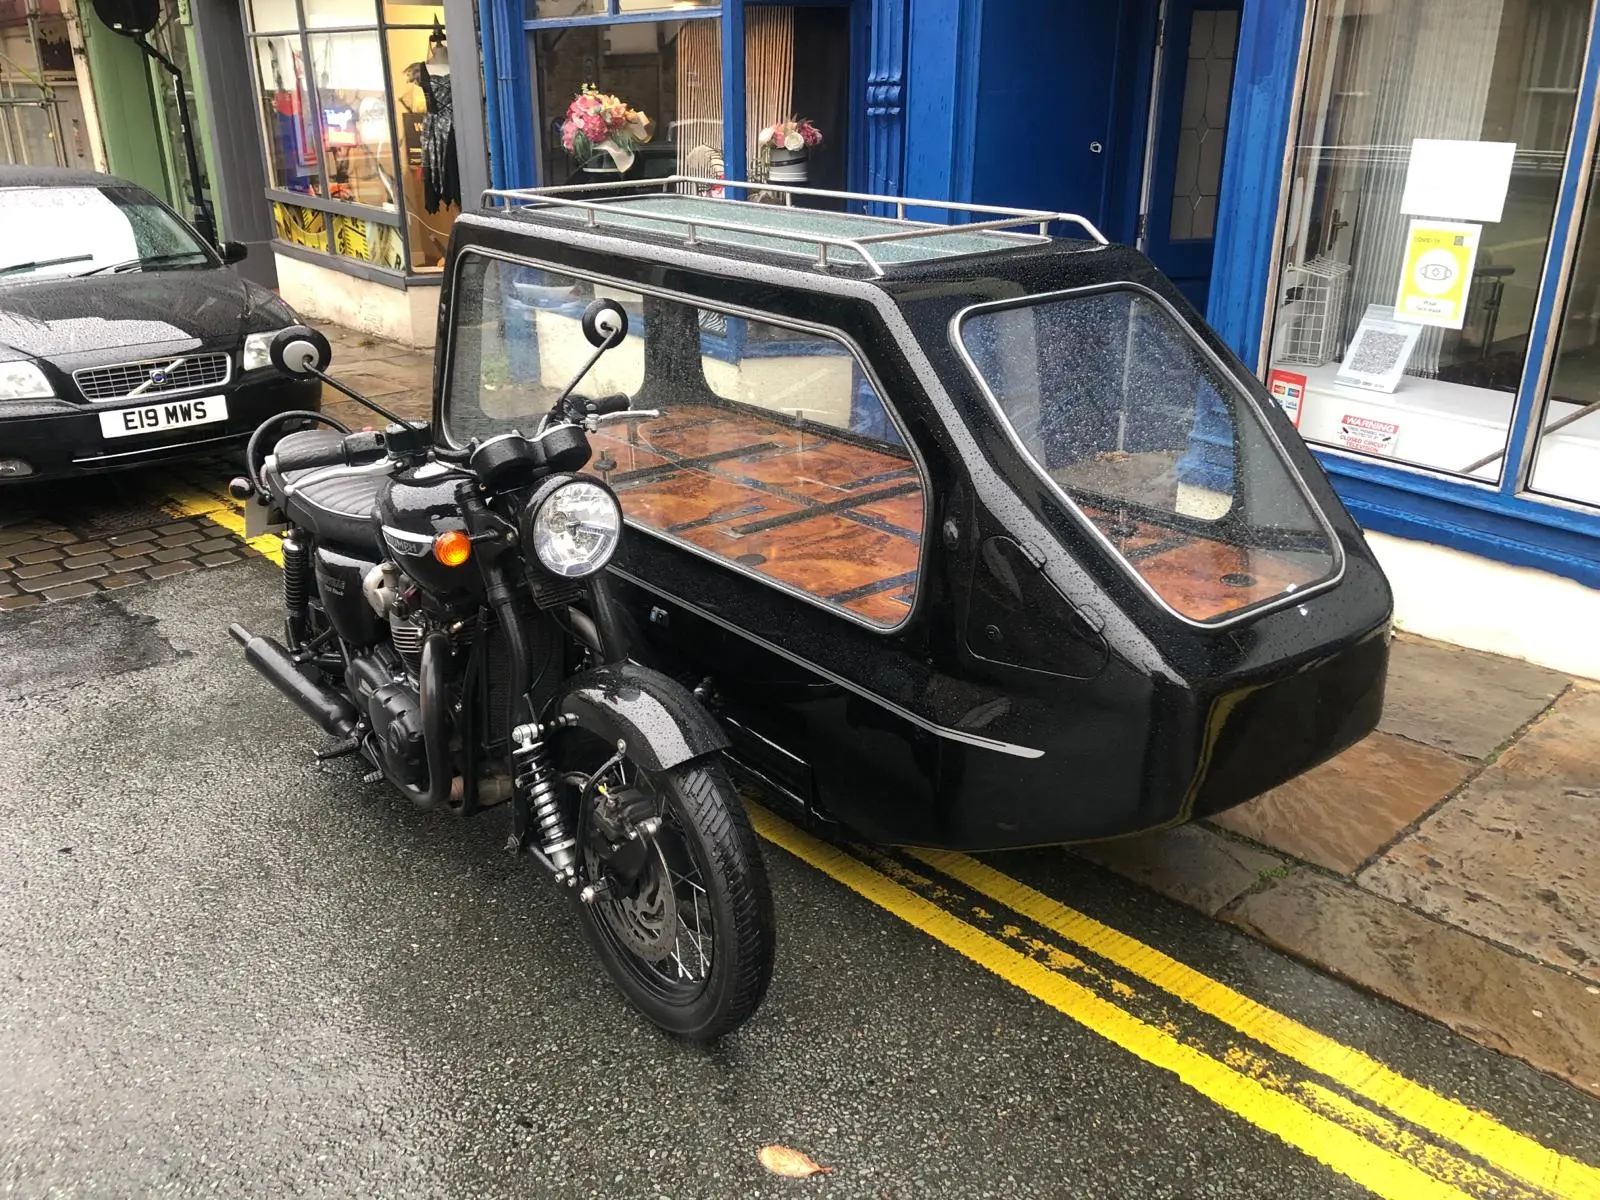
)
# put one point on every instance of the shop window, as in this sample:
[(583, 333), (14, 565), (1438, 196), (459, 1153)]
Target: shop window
[(340, 126), (300, 226), (670, 71), (287, 116), (1567, 462), (353, 113), (1423, 192), (797, 82), (773, 451), (1115, 402)]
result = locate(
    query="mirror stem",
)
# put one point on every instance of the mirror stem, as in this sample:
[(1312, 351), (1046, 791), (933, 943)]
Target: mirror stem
[(587, 367), (396, 418)]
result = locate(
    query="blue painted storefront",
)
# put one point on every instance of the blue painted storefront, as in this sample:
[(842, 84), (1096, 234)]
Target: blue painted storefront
[(1047, 103)]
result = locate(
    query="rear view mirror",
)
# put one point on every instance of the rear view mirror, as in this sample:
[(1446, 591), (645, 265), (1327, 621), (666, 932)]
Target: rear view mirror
[(233, 252), (300, 350), (605, 323)]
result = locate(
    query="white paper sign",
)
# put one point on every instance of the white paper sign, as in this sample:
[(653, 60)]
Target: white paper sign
[(1379, 351), (1368, 434), (1459, 181)]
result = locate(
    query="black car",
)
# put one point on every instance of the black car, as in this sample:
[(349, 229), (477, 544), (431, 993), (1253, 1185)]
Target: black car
[(124, 337)]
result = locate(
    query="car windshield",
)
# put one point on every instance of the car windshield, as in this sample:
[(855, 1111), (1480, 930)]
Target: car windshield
[(58, 232), (1117, 403)]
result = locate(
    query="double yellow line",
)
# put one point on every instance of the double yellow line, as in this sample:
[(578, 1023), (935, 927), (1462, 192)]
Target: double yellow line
[(1392, 1135), (1388, 1133)]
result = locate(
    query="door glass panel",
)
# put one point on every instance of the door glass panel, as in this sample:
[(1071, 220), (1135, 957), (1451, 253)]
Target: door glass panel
[(668, 71), (1116, 404), (1406, 299), (1568, 447), (774, 454), (1203, 131)]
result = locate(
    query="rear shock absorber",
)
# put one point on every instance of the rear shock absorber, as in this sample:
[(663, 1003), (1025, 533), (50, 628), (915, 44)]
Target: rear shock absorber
[(296, 588), (536, 787)]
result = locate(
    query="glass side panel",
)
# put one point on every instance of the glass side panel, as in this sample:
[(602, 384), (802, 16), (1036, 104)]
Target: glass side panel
[(790, 226), (354, 118), (287, 120), (1116, 403), (773, 453)]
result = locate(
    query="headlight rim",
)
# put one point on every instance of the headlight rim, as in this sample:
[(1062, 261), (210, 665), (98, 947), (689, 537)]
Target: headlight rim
[(540, 500)]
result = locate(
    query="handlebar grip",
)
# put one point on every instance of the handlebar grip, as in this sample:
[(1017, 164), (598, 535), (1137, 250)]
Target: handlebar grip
[(366, 446), (615, 403)]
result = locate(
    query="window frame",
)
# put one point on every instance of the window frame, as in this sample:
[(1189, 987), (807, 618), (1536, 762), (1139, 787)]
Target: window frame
[(863, 363), (1224, 373), (398, 217)]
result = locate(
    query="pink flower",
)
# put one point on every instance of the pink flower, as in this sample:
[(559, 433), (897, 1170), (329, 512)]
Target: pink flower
[(810, 134), (594, 127)]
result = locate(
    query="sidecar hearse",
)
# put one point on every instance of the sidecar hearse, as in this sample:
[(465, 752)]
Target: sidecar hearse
[(972, 537)]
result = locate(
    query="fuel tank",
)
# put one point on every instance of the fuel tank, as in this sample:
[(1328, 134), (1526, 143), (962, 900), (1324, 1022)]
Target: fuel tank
[(414, 507)]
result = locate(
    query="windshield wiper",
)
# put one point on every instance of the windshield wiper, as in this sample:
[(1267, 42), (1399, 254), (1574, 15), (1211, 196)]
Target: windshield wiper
[(134, 263), (18, 268)]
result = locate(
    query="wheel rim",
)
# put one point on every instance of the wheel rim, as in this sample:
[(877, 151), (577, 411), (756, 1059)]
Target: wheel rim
[(663, 931)]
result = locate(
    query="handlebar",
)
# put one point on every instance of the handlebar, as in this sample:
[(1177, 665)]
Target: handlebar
[(363, 447), (609, 404)]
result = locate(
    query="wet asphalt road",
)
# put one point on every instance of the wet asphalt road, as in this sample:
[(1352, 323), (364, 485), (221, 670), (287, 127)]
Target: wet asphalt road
[(228, 970)]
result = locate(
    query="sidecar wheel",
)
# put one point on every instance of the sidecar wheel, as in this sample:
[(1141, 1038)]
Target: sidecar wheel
[(690, 940)]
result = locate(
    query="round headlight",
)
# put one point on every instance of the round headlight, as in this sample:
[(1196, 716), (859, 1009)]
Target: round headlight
[(575, 529)]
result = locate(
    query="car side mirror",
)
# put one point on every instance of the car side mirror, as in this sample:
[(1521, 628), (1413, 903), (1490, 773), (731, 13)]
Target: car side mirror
[(233, 252), (300, 350)]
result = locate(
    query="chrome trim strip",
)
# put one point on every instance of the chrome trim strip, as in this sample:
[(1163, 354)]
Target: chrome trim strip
[(943, 731), (1285, 599), (869, 293), (92, 459)]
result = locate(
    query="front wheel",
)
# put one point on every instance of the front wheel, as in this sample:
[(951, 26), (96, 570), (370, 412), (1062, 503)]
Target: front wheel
[(681, 913)]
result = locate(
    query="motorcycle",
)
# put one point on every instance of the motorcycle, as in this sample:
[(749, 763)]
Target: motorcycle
[(448, 620)]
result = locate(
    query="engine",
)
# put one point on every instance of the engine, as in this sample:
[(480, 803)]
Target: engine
[(387, 691)]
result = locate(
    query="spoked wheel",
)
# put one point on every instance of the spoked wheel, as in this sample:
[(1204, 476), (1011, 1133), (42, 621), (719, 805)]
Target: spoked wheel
[(681, 913)]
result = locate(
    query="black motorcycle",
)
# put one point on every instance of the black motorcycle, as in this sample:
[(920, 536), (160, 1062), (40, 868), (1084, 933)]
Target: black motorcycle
[(448, 620)]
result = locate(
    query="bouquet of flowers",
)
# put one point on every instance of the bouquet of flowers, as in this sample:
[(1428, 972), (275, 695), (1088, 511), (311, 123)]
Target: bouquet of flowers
[(598, 122), (796, 133)]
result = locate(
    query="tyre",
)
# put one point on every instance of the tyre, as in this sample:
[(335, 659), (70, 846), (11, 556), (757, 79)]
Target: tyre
[(682, 912)]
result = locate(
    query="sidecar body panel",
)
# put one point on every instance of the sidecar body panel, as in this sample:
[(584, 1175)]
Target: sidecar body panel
[(983, 542)]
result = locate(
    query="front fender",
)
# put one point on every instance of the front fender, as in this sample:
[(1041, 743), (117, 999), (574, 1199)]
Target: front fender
[(659, 718)]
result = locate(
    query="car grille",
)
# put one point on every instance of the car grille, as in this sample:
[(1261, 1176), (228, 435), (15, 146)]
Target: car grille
[(154, 377)]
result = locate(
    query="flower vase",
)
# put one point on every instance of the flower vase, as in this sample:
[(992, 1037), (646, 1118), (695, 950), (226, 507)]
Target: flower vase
[(787, 166)]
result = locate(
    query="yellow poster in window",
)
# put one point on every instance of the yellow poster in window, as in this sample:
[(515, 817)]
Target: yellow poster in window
[(1439, 259)]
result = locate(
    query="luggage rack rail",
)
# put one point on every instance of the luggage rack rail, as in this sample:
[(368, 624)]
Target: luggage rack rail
[(1003, 222)]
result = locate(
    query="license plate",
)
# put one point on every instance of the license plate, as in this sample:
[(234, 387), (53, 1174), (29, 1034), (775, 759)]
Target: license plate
[(169, 414)]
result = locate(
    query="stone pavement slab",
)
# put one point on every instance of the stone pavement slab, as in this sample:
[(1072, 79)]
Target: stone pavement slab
[(1191, 864), (1462, 701), (1542, 1016), (1346, 810), (1513, 857)]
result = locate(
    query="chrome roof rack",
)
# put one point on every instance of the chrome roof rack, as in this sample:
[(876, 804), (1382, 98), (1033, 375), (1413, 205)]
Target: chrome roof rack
[(999, 224)]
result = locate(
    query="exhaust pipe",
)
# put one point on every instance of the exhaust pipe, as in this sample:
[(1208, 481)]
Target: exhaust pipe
[(332, 712)]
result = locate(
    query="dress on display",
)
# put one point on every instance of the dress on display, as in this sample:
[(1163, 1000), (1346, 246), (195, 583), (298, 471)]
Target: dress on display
[(441, 178)]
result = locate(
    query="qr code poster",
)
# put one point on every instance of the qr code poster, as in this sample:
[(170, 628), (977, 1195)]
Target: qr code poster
[(1368, 435), (1440, 259), (1379, 351)]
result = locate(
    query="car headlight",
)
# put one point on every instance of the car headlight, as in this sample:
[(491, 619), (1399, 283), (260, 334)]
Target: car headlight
[(24, 381), (258, 350), (575, 528)]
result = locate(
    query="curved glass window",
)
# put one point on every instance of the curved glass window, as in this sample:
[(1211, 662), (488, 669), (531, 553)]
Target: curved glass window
[(1116, 403)]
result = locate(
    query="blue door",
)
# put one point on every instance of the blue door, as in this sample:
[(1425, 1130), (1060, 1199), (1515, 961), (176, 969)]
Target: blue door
[(1195, 56)]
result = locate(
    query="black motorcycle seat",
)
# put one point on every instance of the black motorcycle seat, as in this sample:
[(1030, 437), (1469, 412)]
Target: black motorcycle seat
[(334, 504)]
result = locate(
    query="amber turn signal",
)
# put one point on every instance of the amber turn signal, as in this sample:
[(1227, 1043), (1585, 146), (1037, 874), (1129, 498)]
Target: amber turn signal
[(452, 547)]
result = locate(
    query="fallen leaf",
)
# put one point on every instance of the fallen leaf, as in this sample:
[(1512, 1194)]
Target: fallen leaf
[(781, 1160)]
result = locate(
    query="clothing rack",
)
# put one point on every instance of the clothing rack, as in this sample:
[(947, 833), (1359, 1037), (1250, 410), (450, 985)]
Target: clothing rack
[(1001, 222)]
